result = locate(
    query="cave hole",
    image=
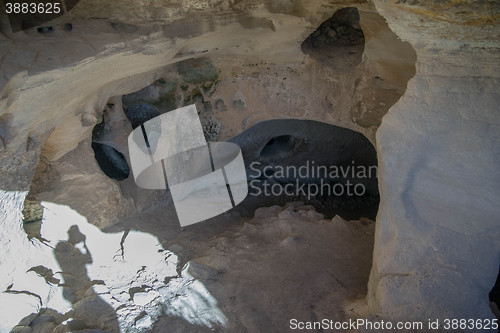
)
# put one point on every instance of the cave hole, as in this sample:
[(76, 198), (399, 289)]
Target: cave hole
[(45, 30), (139, 113), (339, 41), (278, 145), (111, 161), (316, 165)]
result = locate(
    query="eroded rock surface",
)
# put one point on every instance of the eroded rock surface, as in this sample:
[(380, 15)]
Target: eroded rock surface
[(258, 70), (436, 248)]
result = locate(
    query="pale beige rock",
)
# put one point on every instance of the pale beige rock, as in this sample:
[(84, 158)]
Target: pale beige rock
[(436, 247), (76, 73)]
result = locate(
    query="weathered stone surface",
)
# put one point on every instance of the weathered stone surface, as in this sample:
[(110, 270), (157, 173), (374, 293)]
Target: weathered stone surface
[(74, 97), (32, 211), (436, 247)]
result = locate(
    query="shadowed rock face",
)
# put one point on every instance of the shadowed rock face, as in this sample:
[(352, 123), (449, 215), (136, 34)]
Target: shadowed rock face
[(438, 222), (339, 41), (139, 113), (342, 29)]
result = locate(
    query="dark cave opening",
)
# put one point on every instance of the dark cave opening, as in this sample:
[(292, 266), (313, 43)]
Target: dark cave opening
[(280, 145), (139, 113), (339, 41), (330, 167), (45, 30), (111, 161)]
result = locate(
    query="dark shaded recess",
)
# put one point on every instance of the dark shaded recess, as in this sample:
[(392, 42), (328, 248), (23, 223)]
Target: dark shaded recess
[(7, 131), (139, 113), (111, 161), (341, 29), (338, 39), (293, 143), (98, 131), (220, 105), (278, 146), (45, 30), (495, 292)]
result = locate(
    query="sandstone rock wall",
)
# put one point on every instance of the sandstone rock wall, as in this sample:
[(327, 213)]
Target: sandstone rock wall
[(55, 86), (437, 250), (60, 83)]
